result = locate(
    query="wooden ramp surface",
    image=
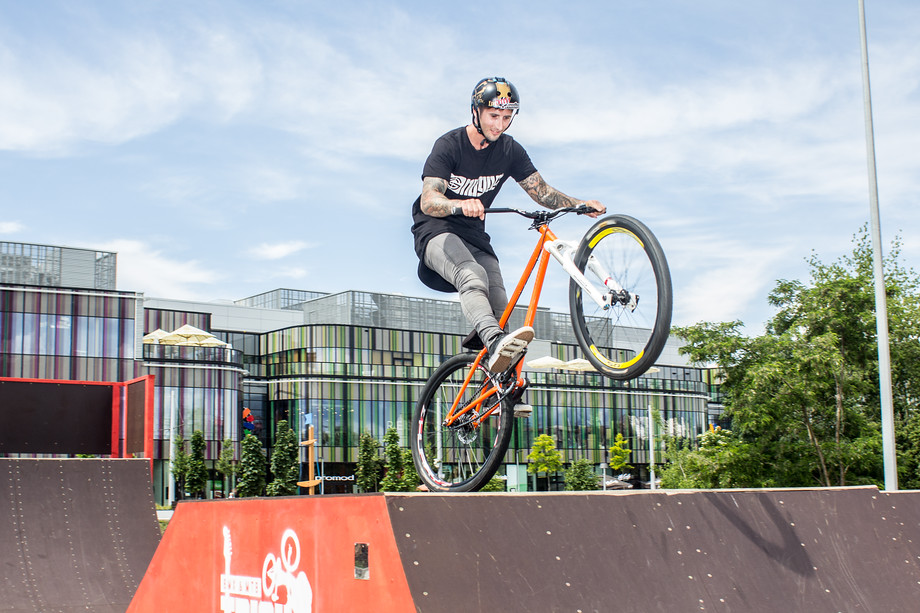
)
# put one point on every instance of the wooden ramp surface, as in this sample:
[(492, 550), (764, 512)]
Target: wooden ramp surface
[(75, 534)]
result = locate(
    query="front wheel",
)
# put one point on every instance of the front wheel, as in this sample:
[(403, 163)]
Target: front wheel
[(462, 456), (623, 261)]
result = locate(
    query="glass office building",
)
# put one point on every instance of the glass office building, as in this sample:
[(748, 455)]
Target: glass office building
[(50, 266), (344, 363)]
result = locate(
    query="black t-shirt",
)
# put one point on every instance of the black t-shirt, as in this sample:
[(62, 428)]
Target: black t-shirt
[(470, 173)]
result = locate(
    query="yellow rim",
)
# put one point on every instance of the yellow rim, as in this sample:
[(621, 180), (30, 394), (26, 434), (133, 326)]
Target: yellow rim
[(608, 231), (613, 364), (596, 239)]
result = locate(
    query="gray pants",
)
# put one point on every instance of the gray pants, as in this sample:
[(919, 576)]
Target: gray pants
[(478, 278)]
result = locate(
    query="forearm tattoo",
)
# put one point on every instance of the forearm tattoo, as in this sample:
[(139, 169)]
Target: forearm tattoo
[(434, 202), (546, 195)]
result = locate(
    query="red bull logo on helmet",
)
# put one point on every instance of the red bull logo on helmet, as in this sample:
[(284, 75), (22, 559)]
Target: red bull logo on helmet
[(503, 97)]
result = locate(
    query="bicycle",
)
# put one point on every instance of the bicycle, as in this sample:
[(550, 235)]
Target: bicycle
[(620, 305)]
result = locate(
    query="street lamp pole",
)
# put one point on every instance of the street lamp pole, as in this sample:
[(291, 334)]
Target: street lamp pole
[(881, 303)]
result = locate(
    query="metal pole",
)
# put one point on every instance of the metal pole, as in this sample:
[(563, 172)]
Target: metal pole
[(651, 450), (173, 416), (881, 304), (605, 455)]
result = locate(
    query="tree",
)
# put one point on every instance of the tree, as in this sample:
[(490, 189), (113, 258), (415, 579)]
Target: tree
[(180, 465), (226, 465), (544, 457), (494, 485), (285, 463), (197, 475), (580, 476), (410, 480), (909, 453), (252, 467), (803, 398), (400, 475), (367, 474), (618, 455), (721, 460)]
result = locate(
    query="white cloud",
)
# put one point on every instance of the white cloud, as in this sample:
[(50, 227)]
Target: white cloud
[(11, 227), (271, 184), (277, 251), (226, 68), (289, 273), (51, 100), (145, 269), (717, 278), (120, 85)]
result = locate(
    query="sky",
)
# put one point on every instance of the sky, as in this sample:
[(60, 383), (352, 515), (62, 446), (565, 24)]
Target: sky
[(225, 149)]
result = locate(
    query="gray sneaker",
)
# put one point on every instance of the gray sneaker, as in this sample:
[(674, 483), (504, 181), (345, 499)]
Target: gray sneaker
[(508, 349)]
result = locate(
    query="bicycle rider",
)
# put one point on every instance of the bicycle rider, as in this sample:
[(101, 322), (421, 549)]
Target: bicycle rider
[(466, 168)]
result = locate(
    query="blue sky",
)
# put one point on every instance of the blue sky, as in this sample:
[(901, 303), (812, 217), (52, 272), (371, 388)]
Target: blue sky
[(224, 149)]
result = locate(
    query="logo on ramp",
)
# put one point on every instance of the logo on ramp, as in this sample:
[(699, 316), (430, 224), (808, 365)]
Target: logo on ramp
[(280, 589)]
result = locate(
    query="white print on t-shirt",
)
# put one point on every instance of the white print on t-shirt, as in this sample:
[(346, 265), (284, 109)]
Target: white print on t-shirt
[(473, 188)]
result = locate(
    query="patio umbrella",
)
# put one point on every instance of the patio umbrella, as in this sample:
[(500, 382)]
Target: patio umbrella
[(212, 342), (186, 335), (579, 364), (155, 336), (546, 362)]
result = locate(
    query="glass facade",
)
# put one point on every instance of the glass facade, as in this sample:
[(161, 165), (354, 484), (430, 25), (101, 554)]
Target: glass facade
[(50, 266), (280, 299), (344, 380), (61, 334)]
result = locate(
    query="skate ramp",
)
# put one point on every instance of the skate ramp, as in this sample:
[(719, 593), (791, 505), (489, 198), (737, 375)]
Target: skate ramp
[(75, 534), (732, 551), (842, 549)]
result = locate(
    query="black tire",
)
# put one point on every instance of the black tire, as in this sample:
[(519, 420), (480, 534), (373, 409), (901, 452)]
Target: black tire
[(621, 342), (458, 458)]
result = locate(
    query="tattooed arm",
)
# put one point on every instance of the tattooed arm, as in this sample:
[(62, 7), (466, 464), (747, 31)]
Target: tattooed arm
[(551, 198), (437, 204)]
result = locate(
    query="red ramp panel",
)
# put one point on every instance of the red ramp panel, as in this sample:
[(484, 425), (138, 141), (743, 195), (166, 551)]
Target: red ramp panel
[(278, 555), (75, 534)]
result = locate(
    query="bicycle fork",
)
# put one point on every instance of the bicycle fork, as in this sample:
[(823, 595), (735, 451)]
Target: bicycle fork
[(564, 252)]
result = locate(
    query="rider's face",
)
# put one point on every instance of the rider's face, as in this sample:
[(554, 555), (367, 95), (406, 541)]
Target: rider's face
[(494, 121)]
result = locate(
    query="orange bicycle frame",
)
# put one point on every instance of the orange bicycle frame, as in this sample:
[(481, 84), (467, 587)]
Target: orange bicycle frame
[(539, 255)]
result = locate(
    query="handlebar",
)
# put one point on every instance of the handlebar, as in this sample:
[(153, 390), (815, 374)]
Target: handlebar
[(539, 217)]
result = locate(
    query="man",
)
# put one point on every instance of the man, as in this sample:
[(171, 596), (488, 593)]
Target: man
[(462, 175)]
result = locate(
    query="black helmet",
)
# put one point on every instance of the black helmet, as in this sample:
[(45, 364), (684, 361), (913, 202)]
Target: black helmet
[(497, 93)]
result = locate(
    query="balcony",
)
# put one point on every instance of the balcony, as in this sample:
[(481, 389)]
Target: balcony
[(190, 354)]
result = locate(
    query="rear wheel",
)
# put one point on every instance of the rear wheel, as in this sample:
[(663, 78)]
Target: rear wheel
[(463, 456), (622, 260)]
